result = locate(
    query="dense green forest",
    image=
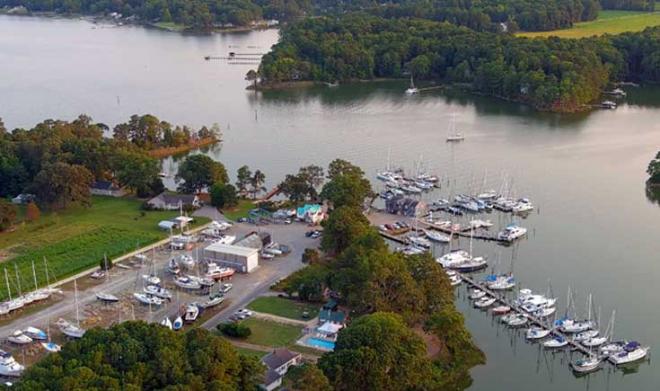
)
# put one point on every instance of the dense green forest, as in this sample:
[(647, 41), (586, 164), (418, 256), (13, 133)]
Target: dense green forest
[(549, 74)]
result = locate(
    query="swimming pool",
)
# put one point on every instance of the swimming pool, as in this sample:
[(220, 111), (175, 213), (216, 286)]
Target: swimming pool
[(320, 343)]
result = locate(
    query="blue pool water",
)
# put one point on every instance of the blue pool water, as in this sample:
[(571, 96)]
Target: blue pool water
[(320, 343)]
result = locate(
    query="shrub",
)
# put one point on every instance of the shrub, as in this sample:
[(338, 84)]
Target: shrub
[(234, 330)]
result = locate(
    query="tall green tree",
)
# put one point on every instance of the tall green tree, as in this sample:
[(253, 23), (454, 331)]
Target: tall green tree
[(8, 213), (343, 226), (307, 377), (653, 170), (60, 184), (199, 172), (257, 183), (223, 195), (347, 185), (137, 172), (243, 178)]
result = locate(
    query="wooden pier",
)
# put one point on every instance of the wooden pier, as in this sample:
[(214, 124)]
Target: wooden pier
[(575, 346), (465, 232)]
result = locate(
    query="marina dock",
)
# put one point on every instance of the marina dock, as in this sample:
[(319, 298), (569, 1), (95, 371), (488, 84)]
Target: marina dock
[(464, 232)]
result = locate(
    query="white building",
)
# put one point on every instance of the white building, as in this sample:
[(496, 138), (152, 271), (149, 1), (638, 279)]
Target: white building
[(241, 259)]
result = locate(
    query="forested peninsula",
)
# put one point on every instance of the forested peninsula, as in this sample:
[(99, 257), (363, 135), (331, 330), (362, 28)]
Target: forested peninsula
[(551, 74)]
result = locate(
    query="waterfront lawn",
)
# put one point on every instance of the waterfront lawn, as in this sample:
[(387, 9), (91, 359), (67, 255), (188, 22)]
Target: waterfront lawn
[(266, 333), (170, 26), (608, 22), (283, 307), (250, 353), (240, 210), (77, 238)]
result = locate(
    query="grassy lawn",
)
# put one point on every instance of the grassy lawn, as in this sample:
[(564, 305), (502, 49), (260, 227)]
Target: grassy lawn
[(283, 307), (171, 26), (608, 22), (240, 210), (250, 352), (77, 238), (267, 333)]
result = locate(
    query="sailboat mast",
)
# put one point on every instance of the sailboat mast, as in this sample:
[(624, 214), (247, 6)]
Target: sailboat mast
[(18, 280), (75, 298), (7, 280), (46, 268), (34, 275)]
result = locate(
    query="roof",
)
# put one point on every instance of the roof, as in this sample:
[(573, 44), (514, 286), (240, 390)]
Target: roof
[(330, 328), (175, 198), (231, 249), (104, 185), (332, 316), (279, 357), (166, 224), (271, 377)]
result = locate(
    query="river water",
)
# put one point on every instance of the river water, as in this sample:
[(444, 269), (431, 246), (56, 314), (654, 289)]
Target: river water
[(594, 228)]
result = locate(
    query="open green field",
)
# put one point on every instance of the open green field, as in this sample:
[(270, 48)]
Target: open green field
[(77, 239), (267, 333), (283, 307), (240, 210), (608, 22)]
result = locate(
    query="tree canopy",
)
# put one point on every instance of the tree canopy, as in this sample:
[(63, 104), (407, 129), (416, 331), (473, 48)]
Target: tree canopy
[(199, 172)]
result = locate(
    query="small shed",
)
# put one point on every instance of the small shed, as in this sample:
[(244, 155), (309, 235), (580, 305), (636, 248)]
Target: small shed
[(167, 225), (106, 188)]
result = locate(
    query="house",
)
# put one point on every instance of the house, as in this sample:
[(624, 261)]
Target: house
[(405, 206), (106, 188), (174, 201), (310, 213), (23, 198), (278, 363), (328, 315)]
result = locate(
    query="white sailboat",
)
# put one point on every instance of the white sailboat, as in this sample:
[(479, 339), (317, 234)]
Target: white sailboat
[(166, 323), (454, 135), (19, 338), (412, 90), (67, 328)]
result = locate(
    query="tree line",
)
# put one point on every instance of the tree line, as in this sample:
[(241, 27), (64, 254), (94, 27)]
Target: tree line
[(393, 299), (549, 74)]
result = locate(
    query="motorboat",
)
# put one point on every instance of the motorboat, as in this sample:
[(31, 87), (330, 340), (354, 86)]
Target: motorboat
[(107, 297), (533, 333), (202, 281), (484, 302), (97, 275), (556, 342), (471, 265), (35, 333), (455, 137), (51, 347), (19, 338), (186, 282), (500, 282), (477, 294), (575, 326), (411, 189), (419, 241), (453, 258), (612, 348), (436, 236), (192, 312), (186, 261), (518, 320), (151, 279), (166, 323), (173, 267), (70, 330), (177, 324), (147, 299), (477, 223), (455, 280), (216, 272), (158, 291), (511, 233), (587, 365), (544, 312), (487, 195), (506, 318), (594, 341), (631, 352), (500, 310), (212, 300), (9, 366), (523, 205), (585, 335)]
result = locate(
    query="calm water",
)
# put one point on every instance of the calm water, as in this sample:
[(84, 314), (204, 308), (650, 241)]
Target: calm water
[(594, 229)]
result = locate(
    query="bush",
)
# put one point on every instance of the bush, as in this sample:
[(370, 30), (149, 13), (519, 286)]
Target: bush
[(311, 255), (32, 212), (234, 330), (223, 195)]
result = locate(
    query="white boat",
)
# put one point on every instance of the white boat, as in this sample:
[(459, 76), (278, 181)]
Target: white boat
[(631, 352), (544, 312), (500, 282), (476, 294), (522, 206), (511, 233), (186, 261), (419, 241), (436, 236), (585, 335), (35, 333), (192, 312), (518, 320), (272, 250), (487, 195), (173, 267), (147, 299), (107, 297), (411, 189), (472, 265), (587, 365), (412, 90), (556, 342), (537, 333), (9, 366), (186, 282), (595, 341), (157, 291), (19, 338), (484, 302), (576, 326), (216, 272), (97, 275), (500, 310), (202, 281), (455, 280), (212, 301), (70, 329), (477, 223), (265, 255), (51, 347), (151, 279), (454, 135), (166, 323), (612, 348), (177, 324)]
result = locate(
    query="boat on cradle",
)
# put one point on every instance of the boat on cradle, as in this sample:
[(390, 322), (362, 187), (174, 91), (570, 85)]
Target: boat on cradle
[(186, 261), (500, 310), (500, 282), (177, 324), (216, 272), (97, 275), (436, 236), (631, 352), (589, 364), (203, 281), (173, 267), (511, 233), (9, 366), (535, 332), (192, 312), (151, 279), (51, 347), (166, 323), (476, 294), (107, 297), (212, 300), (484, 302), (517, 320), (556, 342), (69, 329), (186, 282), (412, 90), (35, 333), (523, 205), (19, 338), (147, 299), (158, 291)]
